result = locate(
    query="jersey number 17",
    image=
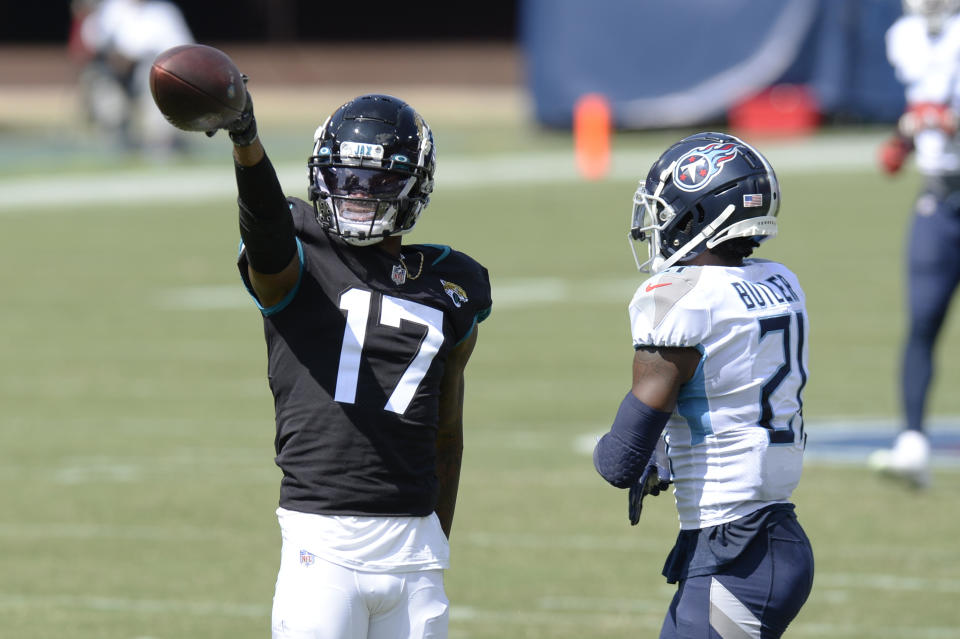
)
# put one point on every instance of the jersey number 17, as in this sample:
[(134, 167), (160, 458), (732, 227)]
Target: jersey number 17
[(357, 303)]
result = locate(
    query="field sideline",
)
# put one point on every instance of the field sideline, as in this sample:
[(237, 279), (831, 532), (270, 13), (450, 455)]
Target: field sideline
[(136, 438), (172, 184)]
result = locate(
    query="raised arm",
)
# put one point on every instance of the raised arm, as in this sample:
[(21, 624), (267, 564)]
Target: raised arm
[(266, 226)]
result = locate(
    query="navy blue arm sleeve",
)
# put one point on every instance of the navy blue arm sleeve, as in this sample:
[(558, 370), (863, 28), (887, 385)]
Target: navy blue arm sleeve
[(621, 455), (266, 226)]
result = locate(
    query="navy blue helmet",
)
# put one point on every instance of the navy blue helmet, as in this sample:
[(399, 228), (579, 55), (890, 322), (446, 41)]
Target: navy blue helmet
[(705, 189)]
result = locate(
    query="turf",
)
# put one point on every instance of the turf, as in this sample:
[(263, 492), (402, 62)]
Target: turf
[(136, 434)]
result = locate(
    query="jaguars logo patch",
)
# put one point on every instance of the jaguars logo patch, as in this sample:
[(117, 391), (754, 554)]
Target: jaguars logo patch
[(455, 292), (698, 167)]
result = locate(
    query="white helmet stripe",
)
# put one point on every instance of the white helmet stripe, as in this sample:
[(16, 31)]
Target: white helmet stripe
[(706, 232)]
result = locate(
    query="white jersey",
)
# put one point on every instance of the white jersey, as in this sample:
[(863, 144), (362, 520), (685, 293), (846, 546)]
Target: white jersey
[(735, 440), (136, 29), (929, 67), (369, 544)]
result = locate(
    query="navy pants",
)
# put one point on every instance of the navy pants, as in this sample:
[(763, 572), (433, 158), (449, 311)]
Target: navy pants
[(932, 278), (756, 597)]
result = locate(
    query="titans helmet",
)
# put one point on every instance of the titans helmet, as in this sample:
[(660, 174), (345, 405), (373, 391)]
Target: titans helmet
[(934, 12), (371, 172), (705, 189)]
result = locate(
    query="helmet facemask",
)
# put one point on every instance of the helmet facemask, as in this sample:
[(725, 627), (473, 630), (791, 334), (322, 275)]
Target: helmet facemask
[(364, 205), (371, 172), (651, 214)]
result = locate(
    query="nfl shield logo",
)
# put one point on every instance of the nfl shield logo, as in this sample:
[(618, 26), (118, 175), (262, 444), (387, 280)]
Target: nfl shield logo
[(398, 275), (306, 558)]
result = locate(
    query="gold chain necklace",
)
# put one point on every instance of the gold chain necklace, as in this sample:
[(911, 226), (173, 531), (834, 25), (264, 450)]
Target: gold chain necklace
[(407, 269)]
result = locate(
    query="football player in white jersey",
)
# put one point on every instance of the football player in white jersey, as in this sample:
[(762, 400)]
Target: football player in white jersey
[(719, 367), (924, 48), (117, 41)]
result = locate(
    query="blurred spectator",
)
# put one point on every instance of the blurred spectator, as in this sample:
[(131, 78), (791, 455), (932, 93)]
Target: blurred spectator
[(115, 42), (924, 48)]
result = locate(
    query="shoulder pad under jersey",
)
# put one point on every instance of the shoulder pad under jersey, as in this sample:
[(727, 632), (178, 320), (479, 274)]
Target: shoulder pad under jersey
[(664, 313)]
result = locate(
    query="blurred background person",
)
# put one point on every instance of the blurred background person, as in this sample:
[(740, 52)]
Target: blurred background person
[(115, 42), (923, 46)]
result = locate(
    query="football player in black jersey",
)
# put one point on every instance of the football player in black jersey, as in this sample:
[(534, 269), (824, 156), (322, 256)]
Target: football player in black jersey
[(367, 340)]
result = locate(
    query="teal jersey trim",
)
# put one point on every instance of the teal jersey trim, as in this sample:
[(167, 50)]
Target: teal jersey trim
[(444, 252), (282, 304), (467, 334), (479, 317), (693, 406)]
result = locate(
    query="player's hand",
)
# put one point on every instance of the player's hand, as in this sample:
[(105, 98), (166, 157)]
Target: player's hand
[(893, 153), (242, 130), (649, 483)]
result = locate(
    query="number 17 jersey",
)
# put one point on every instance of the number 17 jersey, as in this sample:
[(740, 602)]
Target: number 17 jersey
[(735, 440), (356, 355)]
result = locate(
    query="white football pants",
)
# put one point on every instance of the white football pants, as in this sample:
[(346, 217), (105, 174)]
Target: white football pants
[(316, 599)]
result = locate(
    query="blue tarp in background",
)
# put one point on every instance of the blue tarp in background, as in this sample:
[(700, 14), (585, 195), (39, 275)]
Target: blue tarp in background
[(664, 63)]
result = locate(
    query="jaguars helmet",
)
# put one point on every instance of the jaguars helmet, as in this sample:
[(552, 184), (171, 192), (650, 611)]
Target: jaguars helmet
[(934, 12), (371, 172), (705, 189)]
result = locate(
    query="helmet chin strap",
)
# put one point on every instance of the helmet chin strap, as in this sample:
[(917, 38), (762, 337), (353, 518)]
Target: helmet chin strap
[(699, 237)]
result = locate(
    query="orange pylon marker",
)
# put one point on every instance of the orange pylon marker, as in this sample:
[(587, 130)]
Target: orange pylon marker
[(591, 135)]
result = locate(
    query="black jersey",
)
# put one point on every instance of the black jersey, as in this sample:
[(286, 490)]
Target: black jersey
[(356, 353)]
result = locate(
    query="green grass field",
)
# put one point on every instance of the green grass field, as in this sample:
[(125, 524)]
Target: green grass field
[(136, 435)]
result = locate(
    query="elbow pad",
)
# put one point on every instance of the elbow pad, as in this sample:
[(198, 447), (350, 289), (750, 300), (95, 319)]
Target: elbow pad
[(621, 454)]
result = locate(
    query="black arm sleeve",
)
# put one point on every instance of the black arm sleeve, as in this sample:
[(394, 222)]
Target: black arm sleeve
[(266, 226)]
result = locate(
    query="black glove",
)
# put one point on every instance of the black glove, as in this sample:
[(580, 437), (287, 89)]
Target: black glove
[(242, 130), (649, 483)]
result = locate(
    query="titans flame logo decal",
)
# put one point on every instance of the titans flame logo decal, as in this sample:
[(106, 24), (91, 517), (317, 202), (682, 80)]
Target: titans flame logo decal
[(698, 167)]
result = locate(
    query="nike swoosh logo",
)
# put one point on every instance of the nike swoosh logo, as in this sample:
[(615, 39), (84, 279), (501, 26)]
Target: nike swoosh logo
[(650, 287)]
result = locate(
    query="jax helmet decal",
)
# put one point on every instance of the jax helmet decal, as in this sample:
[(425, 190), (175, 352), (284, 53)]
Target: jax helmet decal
[(371, 172), (698, 167)]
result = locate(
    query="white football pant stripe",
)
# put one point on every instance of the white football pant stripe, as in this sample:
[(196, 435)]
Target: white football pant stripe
[(729, 617)]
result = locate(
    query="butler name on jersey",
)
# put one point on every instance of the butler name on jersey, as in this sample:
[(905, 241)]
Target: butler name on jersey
[(736, 438), (719, 367)]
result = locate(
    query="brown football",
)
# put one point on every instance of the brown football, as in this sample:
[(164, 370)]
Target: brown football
[(197, 87)]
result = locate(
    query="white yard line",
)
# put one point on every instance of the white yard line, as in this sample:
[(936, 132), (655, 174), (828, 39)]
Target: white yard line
[(508, 293), (171, 184), (128, 605), (590, 612), (887, 583), (66, 531)]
